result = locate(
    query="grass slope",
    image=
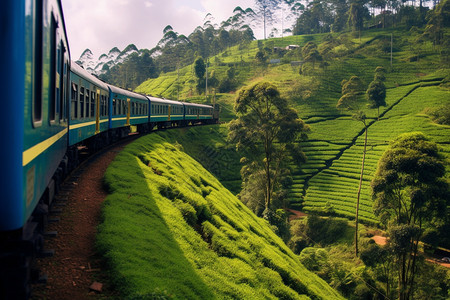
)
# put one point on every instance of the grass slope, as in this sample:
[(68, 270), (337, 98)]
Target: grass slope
[(171, 229)]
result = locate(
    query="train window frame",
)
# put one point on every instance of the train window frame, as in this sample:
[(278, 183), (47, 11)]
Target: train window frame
[(74, 102), (81, 97), (53, 69), (93, 103), (87, 99), (38, 42), (63, 84), (105, 106)]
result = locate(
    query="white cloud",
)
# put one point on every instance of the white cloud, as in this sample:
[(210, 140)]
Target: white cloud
[(102, 24)]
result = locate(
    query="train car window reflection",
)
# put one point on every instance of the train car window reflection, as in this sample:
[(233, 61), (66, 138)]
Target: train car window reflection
[(54, 86), (81, 102), (37, 66), (88, 95), (92, 104), (74, 102)]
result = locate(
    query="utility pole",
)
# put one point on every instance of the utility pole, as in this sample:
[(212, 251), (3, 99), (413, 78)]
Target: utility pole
[(206, 87), (391, 50)]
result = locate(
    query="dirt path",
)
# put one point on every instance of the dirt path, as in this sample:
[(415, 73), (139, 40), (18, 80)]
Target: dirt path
[(381, 240), (74, 272)]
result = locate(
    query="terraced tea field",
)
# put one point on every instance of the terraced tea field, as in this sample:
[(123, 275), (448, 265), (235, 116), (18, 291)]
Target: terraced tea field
[(329, 181)]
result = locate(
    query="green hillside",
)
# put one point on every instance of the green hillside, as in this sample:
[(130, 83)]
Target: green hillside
[(416, 82), (171, 230)]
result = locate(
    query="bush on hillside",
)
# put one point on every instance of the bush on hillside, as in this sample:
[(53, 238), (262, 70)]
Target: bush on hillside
[(440, 115)]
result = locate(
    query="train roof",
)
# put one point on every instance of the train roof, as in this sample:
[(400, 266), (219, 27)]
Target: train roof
[(77, 69), (161, 100), (118, 90)]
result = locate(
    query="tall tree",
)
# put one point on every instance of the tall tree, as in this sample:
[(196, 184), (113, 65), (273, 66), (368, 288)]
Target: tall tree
[(376, 92), (360, 116), (351, 89), (409, 191), (266, 131), (355, 17)]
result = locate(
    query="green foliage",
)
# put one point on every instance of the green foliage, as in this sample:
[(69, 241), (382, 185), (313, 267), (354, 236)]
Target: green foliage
[(200, 68), (440, 115), (132, 72), (351, 89), (265, 132), (338, 266), (317, 231), (170, 229), (408, 185), (409, 191), (376, 94)]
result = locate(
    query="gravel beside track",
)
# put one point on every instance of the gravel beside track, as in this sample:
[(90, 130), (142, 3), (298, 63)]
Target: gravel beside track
[(75, 271)]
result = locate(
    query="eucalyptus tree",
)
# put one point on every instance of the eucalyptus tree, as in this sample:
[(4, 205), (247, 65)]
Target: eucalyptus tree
[(376, 95), (351, 90), (269, 11), (355, 17), (266, 132), (376, 92), (409, 191)]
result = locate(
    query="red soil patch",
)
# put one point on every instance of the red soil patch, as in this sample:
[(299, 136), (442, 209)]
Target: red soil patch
[(295, 214), (380, 240)]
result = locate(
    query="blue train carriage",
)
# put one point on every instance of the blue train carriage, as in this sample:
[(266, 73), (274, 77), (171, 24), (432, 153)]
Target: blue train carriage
[(35, 61), (165, 113), (198, 113), (127, 109), (89, 115)]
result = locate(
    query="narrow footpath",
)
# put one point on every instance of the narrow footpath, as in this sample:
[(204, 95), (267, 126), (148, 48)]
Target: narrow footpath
[(75, 271)]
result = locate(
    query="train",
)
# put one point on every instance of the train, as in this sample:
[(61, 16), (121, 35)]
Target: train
[(52, 108)]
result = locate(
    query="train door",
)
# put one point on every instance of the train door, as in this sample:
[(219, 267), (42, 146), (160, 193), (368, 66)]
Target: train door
[(168, 112), (97, 115), (128, 111)]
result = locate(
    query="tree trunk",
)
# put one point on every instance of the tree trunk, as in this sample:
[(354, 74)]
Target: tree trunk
[(359, 190)]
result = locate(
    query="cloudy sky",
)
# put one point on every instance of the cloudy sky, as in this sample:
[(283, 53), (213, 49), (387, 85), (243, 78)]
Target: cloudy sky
[(103, 24)]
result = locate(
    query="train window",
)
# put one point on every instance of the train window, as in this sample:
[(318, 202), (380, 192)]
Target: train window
[(92, 104), (81, 102), (88, 96), (62, 82), (105, 106), (102, 105), (54, 85), (38, 65), (114, 107), (74, 102)]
